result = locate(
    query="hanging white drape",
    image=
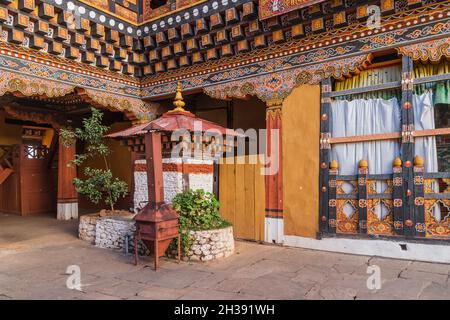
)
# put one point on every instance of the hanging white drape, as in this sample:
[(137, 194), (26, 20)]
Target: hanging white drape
[(426, 147), (365, 117), (424, 120)]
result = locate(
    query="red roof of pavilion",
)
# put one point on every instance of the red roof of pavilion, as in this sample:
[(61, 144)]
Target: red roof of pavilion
[(172, 121), (177, 119), (133, 131)]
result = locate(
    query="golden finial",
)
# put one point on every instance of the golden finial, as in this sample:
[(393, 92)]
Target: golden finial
[(418, 161), (397, 162), (178, 101), (363, 164), (334, 165)]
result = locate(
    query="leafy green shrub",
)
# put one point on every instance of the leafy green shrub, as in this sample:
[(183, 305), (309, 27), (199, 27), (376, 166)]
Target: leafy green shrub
[(199, 210), (99, 183)]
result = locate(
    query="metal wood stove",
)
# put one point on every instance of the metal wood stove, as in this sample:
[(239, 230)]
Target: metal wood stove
[(157, 222)]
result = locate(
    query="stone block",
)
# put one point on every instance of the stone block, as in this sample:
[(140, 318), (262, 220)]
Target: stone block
[(203, 247)]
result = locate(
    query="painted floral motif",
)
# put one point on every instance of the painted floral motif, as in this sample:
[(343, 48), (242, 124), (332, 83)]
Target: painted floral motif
[(433, 50), (30, 86), (380, 225), (435, 228), (279, 85), (33, 86), (347, 222)]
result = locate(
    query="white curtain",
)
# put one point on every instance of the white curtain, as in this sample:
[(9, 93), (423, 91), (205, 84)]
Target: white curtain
[(424, 120), (365, 117), (426, 147), (375, 116)]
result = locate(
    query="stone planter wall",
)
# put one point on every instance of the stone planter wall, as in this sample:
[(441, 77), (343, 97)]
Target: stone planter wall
[(211, 245), (86, 227), (110, 233)]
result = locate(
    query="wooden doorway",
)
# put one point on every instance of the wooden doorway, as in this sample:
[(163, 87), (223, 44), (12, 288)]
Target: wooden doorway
[(242, 198), (38, 192), (30, 187)]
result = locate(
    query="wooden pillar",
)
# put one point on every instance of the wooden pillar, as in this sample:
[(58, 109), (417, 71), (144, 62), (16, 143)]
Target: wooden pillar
[(157, 223), (398, 196), (67, 207), (274, 173), (134, 157), (419, 197), (325, 225), (332, 196), (363, 172), (153, 156), (408, 146)]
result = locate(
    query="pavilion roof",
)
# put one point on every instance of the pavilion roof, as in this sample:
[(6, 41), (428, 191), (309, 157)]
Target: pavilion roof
[(135, 130), (174, 120)]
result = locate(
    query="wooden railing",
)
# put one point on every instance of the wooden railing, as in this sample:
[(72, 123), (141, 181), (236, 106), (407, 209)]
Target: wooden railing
[(6, 162), (376, 204), (6, 156), (35, 152), (407, 203)]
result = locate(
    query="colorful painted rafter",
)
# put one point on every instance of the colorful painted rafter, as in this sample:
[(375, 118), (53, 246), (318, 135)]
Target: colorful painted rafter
[(31, 86), (278, 85)]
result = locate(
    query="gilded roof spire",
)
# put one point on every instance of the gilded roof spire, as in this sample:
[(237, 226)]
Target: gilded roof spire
[(178, 101)]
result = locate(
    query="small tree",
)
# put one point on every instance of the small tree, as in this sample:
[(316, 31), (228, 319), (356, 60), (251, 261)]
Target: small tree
[(99, 183)]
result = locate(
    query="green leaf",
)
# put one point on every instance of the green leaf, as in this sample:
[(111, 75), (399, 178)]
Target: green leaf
[(199, 210), (98, 184)]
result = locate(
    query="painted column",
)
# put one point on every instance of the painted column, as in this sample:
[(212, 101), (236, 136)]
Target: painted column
[(397, 193), (363, 177), (409, 223), (419, 197), (274, 226), (67, 196), (327, 221)]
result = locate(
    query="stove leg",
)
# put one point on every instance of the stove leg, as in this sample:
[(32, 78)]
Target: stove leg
[(179, 249), (156, 255), (135, 250)]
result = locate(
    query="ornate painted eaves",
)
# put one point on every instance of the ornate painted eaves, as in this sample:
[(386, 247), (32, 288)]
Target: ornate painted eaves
[(134, 108), (30, 86), (278, 85), (37, 117), (433, 50)]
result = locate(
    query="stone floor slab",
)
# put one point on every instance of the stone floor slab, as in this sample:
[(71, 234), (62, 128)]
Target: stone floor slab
[(36, 252), (436, 292), (275, 287), (424, 276)]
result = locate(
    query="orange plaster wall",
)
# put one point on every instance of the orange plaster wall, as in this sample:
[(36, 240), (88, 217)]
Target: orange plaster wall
[(120, 158), (48, 137), (300, 134), (9, 134)]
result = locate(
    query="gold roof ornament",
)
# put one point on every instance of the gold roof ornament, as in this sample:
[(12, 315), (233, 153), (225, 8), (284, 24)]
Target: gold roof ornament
[(178, 101), (418, 161), (397, 162), (334, 165), (363, 164)]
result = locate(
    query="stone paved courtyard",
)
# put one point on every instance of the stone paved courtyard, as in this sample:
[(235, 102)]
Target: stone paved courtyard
[(36, 251)]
